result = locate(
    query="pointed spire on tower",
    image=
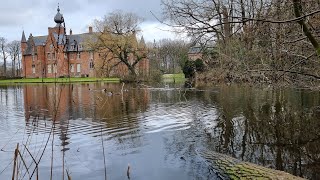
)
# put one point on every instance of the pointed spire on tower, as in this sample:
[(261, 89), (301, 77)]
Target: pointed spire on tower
[(23, 38)]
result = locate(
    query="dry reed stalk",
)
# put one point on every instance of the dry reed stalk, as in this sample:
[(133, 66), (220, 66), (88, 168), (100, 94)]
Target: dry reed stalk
[(15, 161), (104, 156), (24, 163)]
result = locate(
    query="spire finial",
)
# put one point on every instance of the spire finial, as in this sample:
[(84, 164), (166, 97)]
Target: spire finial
[(58, 18)]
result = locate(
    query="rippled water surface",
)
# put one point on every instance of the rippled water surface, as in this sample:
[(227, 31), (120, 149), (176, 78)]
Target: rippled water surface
[(97, 130)]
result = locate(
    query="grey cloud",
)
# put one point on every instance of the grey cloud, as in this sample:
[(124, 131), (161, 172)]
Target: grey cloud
[(36, 15), (140, 7)]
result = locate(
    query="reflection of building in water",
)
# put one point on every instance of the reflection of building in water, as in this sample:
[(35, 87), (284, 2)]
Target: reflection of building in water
[(80, 101), (68, 104)]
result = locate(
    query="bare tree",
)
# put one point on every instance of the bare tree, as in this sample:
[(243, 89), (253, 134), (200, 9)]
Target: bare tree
[(172, 55), (4, 54), (116, 41), (211, 20), (265, 37), (14, 52)]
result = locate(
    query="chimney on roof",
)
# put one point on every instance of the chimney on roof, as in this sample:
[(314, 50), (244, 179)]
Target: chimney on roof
[(90, 29), (70, 31)]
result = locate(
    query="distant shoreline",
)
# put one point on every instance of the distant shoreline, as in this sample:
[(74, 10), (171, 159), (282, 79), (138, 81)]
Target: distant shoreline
[(58, 80)]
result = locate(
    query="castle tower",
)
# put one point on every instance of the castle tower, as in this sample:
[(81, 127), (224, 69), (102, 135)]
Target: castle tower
[(23, 42), (23, 49), (59, 20)]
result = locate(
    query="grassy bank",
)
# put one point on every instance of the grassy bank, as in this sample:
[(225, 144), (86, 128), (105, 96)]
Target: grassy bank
[(58, 80), (173, 78)]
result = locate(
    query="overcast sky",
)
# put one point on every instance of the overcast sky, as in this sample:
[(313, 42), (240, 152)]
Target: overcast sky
[(35, 16)]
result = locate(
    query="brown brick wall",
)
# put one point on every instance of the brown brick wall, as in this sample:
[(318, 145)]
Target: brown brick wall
[(42, 61)]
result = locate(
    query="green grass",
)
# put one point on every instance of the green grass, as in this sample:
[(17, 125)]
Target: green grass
[(173, 78), (176, 76), (58, 80)]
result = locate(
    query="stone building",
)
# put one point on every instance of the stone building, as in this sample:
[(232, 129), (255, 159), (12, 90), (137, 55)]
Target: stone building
[(59, 54)]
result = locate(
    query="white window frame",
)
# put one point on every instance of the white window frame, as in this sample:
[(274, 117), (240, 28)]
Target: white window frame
[(72, 68), (78, 68), (91, 55), (55, 70), (33, 69), (49, 68)]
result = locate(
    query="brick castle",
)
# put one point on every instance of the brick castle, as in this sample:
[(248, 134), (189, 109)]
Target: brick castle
[(59, 54)]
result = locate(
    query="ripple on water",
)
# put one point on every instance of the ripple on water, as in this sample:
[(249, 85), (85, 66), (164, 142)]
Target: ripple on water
[(167, 118)]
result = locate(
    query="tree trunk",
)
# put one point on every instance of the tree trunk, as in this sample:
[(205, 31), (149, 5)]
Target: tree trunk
[(297, 11), (4, 64), (132, 71), (227, 28)]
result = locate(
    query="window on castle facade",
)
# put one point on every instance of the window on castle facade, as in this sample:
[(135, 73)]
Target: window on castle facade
[(71, 55), (33, 68), (78, 68), (65, 56), (51, 47), (55, 68), (91, 55), (72, 68), (91, 65), (54, 55), (48, 56), (49, 69), (78, 55)]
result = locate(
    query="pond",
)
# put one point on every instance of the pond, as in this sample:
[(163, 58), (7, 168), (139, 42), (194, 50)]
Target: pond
[(99, 130)]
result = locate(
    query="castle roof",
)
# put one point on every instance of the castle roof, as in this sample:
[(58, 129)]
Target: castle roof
[(71, 45)]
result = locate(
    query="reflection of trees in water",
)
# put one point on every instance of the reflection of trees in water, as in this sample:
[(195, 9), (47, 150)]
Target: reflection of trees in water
[(275, 128), (182, 146), (120, 112), (116, 114)]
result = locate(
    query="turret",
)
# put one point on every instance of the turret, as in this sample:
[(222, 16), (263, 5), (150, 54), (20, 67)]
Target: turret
[(59, 20), (23, 43)]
